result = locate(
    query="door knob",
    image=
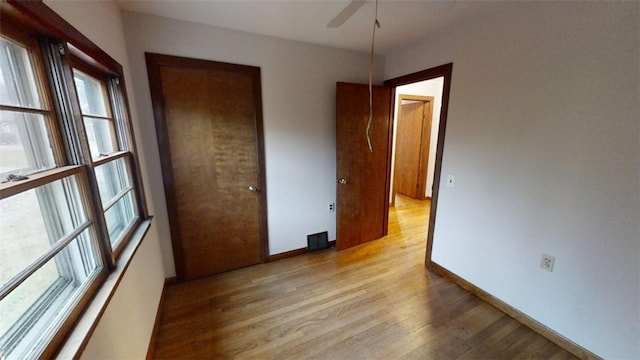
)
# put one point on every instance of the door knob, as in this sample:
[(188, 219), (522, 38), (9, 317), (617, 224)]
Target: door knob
[(342, 181), (254, 188)]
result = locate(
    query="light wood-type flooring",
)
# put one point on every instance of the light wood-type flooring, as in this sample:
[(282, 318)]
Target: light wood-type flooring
[(374, 301)]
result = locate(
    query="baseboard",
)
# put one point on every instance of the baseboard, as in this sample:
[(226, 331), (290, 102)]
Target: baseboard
[(295, 252), (156, 324), (525, 319)]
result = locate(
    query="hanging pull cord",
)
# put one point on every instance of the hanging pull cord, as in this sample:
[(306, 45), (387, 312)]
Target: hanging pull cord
[(376, 24)]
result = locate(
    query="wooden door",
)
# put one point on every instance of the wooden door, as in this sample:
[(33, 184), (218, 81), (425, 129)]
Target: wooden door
[(413, 133), (209, 126), (362, 186)]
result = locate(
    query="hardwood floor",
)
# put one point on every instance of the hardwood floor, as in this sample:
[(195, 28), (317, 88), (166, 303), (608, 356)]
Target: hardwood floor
[(374, 301)]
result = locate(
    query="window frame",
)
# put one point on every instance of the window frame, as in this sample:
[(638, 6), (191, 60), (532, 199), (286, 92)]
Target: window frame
[(46, 109), (121, 129), (37, 181), (103, 79), (60, 47)]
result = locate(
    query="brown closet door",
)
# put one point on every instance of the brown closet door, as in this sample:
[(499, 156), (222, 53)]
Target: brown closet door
[(209, 126), (412, 146)]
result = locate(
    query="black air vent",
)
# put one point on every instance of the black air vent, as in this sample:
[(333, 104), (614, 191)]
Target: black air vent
[(317, 241)]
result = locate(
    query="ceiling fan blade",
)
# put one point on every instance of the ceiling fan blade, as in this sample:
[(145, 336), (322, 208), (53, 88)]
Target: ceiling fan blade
[(346, 13)]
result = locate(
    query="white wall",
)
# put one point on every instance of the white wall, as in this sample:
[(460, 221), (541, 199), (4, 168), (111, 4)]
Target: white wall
[(125, 328), (543, 136), (298, 93), (432, 88)]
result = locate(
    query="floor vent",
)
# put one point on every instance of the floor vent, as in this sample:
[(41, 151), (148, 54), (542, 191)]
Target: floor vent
[(318, 241)]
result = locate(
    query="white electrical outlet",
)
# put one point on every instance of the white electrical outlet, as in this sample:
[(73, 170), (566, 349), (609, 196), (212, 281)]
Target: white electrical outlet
[(546, 262), (332, 207)]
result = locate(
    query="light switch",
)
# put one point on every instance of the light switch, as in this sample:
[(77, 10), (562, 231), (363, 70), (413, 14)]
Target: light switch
[(451, 181)]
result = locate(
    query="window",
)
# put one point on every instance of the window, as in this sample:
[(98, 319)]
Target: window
[(70, 197), (98, 121), (25, 134), (49, 258), (111, 164)]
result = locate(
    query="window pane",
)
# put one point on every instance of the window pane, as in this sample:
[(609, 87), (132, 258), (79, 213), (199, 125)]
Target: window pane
[(119, 217), (34, 220), (18, 301), (92, 95), (100, 135), (17, 80), (112, 179), (36, 307), (24, 144)]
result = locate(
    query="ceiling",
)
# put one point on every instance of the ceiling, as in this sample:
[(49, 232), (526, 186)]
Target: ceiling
[(403, 23)]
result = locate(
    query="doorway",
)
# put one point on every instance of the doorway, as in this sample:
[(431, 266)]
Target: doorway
[(209, 125), (403, 85), (365, 212)]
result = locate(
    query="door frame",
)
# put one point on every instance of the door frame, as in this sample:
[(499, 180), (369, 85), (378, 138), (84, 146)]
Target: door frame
[(428, 74), (424, 150), (154, 62)]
